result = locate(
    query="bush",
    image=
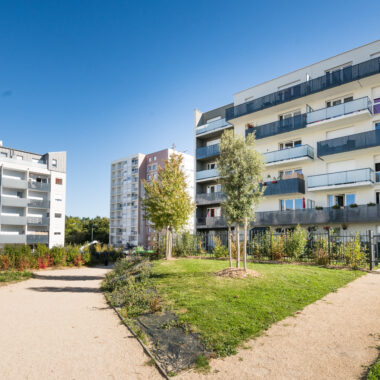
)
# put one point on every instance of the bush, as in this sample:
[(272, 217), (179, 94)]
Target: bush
[(355, 257), (295, 243), (58, 254), (220, 250), (4, 262), (184, 244), (321, 252)]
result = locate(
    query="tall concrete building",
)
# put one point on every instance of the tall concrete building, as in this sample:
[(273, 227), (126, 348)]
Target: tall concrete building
[(318, 129), (128, 226), (33, 197)]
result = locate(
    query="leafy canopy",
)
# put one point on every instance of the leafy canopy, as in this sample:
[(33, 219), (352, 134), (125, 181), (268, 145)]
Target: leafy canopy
[(167, 203), (240, 167)]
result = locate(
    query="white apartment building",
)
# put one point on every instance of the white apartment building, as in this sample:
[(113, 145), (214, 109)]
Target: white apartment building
[(33, 197), (319, 131), (128, 225)]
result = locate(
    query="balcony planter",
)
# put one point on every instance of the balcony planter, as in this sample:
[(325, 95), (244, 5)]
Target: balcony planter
[(371, 204), (319, 208), (274, 181), (337, 207), (353, 205), (344, 226)]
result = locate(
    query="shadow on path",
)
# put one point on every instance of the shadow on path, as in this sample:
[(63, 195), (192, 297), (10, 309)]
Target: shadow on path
[(67, 278), (67, 289)]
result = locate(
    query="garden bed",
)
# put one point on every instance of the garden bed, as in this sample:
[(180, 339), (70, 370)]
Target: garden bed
[(221, 312)]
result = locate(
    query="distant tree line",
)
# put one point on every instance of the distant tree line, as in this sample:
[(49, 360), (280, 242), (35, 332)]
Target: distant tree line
[(78, 230)]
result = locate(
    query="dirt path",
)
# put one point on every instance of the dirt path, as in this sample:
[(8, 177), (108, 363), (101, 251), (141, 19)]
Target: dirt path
[(330, 339), (58, 326)]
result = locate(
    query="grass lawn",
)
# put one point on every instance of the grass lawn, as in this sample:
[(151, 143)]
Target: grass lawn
[(374, 372), (228, 311), (13, 276)]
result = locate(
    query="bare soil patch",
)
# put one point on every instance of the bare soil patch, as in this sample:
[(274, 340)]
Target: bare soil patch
[(237, 273)]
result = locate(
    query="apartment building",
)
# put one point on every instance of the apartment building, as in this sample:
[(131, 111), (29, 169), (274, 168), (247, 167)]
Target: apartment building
[(32, 197), (128, 224), (318, 129)]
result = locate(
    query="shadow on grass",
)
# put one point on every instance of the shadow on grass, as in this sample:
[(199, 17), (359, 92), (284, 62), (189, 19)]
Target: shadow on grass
[(67, 289), (67, 278)]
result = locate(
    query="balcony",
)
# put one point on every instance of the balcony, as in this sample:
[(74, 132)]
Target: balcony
[(212, 126), (328, 215), (298, 153), (357, 107), (14, 183), (350, 178), (207, 151), (277, 127), (38, 221), (37, 239), (324, 82), (295, 185), (41, 186), (36, 203), (12, 239), (205, 175), (211, 222), (13, 220), (364, 140), (13, 201), (209, 198)]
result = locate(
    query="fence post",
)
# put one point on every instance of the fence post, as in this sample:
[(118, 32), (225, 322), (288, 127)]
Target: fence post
[(371, 250), (271, 249), (328, 240)]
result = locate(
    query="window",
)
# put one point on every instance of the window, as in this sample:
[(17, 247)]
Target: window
[(58, 199), (19, 157), (58, 181), (292, 204), (3, 154), (290, 144), (57, 233), (211, 165), (335, 102), (341, 200), (377, 125), (57, 215), (376, 105), (289, 173), (154, 158), (289, 115), (54, 163), (350, 199), (149, 159), (377, 170)]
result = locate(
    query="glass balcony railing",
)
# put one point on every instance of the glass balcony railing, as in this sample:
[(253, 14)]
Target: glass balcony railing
[(279, 126), (341, 178), (324, 82), (207, 151), (212, 222), (208, 198), (212, 126), (205, 174), (294, 185), (339, 110), (349, 143), (289, 154)]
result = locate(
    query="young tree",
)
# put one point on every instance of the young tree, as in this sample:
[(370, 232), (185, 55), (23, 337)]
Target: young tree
[(166, 202), (240, 167)]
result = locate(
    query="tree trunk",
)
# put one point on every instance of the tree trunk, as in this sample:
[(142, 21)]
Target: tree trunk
[(229, 245), (168, 253), (237, 245), (245, 243)]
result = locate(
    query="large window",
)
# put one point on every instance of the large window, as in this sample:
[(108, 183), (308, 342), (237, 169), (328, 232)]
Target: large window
[(292, 204), (341, 200), (290, 144), (376, 105)]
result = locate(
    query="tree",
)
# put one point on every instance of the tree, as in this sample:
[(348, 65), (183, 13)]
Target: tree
[(167, 203), (240, 167), (79, 230)]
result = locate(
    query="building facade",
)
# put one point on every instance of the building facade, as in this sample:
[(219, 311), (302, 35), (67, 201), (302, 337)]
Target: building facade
[(318, 129), (128, 224), (33, 197)]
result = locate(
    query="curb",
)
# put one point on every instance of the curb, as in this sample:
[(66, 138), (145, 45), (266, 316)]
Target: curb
[(145, 348)]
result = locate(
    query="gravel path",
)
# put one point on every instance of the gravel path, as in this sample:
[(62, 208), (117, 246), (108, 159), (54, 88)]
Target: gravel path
[(334, 338), (58, 326)]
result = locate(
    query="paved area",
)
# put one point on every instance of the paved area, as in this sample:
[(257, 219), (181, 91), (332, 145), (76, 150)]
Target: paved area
[(334, 338), (58, 326)]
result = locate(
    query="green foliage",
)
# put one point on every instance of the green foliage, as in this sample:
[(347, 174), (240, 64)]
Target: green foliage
[(185, 244), (374, 372), (167, 203), (14, 276), (78, 230), (354, 254), (321, 251), (295, 243), (220, 250)]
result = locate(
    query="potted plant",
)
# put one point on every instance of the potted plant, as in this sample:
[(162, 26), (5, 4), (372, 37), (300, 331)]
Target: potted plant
[(318, 207), (371, 204), (353, 205), (344, 226), (336, 207), (274, 180)]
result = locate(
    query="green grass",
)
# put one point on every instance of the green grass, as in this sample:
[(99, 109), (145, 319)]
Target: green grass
[(374, 372), (14, 276), (228, 311)]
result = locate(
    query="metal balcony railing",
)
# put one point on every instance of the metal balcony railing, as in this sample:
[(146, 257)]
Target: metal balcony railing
[(204, 174), (289, 154), (35, 239), (39, 186), (212, 126), (44, 221), (349, 143), (341, 178), (207, 198), (347, 108), (284, 186), (277, 127), (324, 82), (38, 203), (212, 222), (207, 151)]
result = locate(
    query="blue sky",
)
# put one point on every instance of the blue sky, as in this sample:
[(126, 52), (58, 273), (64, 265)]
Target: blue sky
[(105, 79)]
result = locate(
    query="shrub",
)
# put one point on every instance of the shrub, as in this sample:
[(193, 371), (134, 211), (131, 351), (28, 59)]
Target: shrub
[(58, 255), (321, 252), (4, 261), (220, 250), (73, 254), (353, 253), (295, 243), (277, 247)]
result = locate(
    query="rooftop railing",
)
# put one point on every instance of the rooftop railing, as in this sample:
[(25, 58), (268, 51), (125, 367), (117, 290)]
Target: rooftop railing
[(324, 82)]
